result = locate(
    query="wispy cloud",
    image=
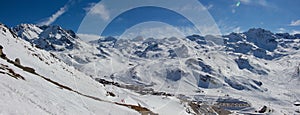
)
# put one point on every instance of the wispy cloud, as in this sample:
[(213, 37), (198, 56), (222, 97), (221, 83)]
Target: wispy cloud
[(262, 3), (152, 29), (209, 6), (237, 30), (98, 9), (226, 27), (255, 2), (295, 23), (281, 30), (56, 15), (295, 32), (284, 30), (189, 7), (245, 1)]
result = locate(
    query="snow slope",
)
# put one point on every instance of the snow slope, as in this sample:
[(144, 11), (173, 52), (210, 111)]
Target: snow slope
[(36, 95), (253, 69), (54, 87)]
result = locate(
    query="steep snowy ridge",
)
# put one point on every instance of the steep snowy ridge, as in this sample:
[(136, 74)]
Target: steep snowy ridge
[(31, 91), (52, 38), (54, 87), (248, 69)]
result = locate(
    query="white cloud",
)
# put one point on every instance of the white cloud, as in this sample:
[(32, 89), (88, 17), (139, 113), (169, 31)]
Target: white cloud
[(237, 30), (245, 1), (189, 7), (157, 30), (227, 28), (209, 6), (161, 30), (255, 2), (281, 30), (98, 9), (56, 15), (295, 23), (295, 32), (262, 3), (146, 31)]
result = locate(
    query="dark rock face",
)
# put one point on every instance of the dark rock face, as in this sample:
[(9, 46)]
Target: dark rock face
[(244, 64), (174, 75), (262, 38), (263, 109), (197, 38), (235, 84), (207, 81)]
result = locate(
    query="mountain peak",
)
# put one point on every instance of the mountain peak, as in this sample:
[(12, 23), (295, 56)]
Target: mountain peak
[(258, 31), (47, 37)]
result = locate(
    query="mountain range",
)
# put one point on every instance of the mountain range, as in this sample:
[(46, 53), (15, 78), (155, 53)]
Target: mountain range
[(50, 70)]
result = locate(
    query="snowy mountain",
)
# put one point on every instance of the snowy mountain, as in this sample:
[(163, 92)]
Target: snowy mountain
[(52, 38), (252, 72)]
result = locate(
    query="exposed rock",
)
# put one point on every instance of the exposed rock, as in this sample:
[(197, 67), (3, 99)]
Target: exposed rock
[(1, 50), (17, 61), (2, 55), (297, 103), (264, 109), (110, 94)]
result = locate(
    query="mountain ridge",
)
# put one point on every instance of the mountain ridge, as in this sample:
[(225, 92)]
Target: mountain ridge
[(244, 65)]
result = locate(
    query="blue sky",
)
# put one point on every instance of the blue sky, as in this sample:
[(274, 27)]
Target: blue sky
[(274, 15)]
